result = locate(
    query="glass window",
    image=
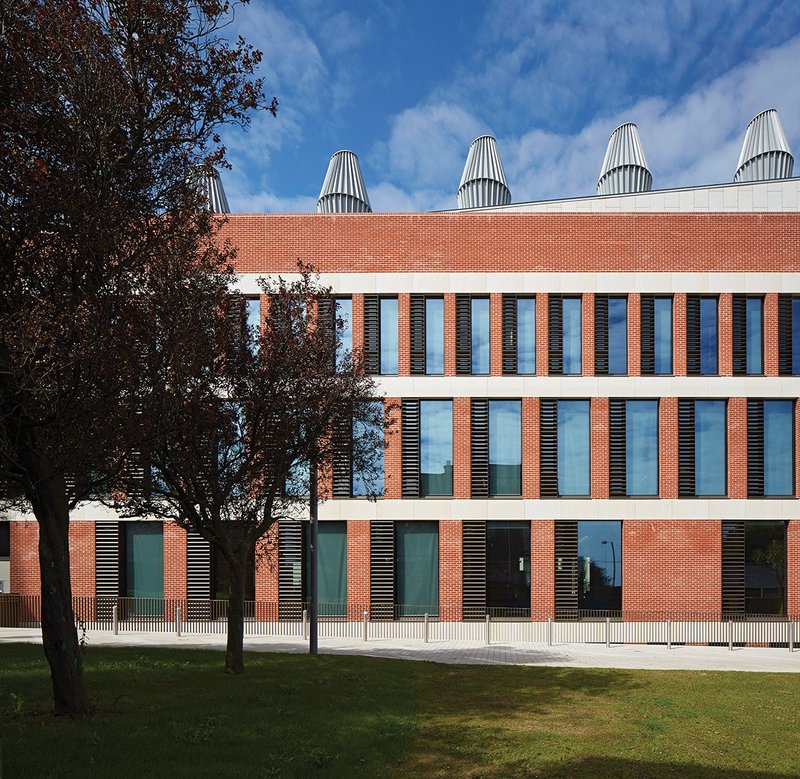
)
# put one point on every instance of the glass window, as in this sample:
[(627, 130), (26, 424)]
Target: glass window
[(508, 568), (344, 341), (332, 568), (641, 447), (618, 335), (708, 336), (572, 337), (436, 447), (388, 335), (778, 447), (765, 567), (526, 335), (600, 566), (480, 335), (368, 479), (417, 568), (253, 320), (573, 447), (144, 566), (796, 336), (505, 447), (662, 311), (298, 480), (434, 335), (754, 319), (709, 447)]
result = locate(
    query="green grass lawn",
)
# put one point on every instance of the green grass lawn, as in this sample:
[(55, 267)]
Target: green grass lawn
[(172, 713)]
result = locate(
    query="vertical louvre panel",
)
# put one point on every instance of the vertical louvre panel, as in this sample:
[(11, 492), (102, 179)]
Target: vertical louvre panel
[(693, 335), (381, 570), (548, 448), (617, 453), (198, 576), (785, 335), (479, 443), (325, 316), (733, 568), (473, 569), (237, 319), (463, 335), (601, 335), (409, 414), (107, 557), (739, 335), (566, 573), (509, 335), (342, 464), (290, 569), (648, 334), (417, 317), (372, 340), (685, 448), (755, 448), (555, 319)]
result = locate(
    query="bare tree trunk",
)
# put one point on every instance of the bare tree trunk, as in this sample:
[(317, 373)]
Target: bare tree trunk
[(59, 636), (234, 650)]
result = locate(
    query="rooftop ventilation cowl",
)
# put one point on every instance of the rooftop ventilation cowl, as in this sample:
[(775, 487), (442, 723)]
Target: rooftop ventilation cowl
[(765, 151), (343, 190), (624, 166), (483, 182), (210, 185)]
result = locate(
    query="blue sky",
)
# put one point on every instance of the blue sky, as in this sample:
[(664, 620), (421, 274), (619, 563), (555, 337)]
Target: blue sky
[(408, 86)]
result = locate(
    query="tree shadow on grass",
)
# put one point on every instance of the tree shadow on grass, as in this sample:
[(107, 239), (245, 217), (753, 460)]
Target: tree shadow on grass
[(622, 768)]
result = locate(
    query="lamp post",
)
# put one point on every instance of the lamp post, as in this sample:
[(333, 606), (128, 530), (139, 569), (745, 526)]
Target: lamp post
[(613, 563), (313, 635)]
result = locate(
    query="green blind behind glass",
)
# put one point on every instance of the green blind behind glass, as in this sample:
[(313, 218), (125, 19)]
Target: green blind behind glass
[(417, 572), (332, 568), (144, 565)]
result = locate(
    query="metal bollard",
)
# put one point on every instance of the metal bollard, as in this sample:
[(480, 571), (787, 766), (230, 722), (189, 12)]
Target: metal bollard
[(730, 635), (608, 632), (791, 636), (669, 634), (488, 629), (549, 631), (178, 621), (365, 626), (426, 626), (305, 624), (115, 619)]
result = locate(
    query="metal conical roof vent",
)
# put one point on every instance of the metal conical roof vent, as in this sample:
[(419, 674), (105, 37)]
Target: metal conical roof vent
[(765, 151), (343, 190), (483, 182), (624, 166), (210, 186)]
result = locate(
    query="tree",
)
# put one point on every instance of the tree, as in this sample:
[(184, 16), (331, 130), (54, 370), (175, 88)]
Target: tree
[(272, 403), (106, 106)]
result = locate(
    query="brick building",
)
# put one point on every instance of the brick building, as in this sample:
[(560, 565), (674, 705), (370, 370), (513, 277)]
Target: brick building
[(596, 402)]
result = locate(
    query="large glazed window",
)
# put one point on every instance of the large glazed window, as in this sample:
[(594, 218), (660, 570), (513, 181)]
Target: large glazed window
[(508, 568), (702, 339), (505, 447), (611, 335), (765, 567), (663, 335), (770, 447), (526, 335), (641, 447), (600, 566), (572, 336), (573, 447), (436, 447), (479, 333), (332, 569), (748, 335), (344, 337), (709, 447), (434, 335), (144, 563), (388, 336), (369, 480), (417, 568)]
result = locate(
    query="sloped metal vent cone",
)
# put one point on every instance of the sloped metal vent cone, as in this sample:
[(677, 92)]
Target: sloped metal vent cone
[(483, 182), (765, 151), (210, 185), (624, 166), (343, 190)]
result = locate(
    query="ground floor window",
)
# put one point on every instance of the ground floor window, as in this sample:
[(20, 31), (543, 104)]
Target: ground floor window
[(765, 567), (508, 568), (143, 555), (600, 566), (331, 569), (417, 568)]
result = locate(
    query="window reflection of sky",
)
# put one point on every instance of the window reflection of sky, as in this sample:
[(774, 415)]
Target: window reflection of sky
[(571, 313), (663, 335), (480, 335), (436, 435), (641, 447), (526, 335), (708, 335), (434, 335), (389, 335), (591, 534), (573, 447), (617, 336), (709, 447)]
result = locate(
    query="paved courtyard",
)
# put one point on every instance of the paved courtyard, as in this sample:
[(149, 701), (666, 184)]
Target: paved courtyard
[(633, 656)]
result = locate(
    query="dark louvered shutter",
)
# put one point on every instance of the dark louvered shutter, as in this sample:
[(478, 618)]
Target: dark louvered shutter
[(290, 569), (463, 335), (409, 415), (785, 345), (326, 317), (372, 334), (755, 448), (548, 448), (732, 568), (693, 335), (473, 569), (381, 570), (107, 561), (648, 334), (342, 465), (601, 335), (685, 448), (566, 573), (739, 335), (555, 324), (617, 453), (198, 576), (509, 335), (479, 445), (417, 345)]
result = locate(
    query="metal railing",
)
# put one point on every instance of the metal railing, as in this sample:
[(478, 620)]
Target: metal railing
[(423, 623)]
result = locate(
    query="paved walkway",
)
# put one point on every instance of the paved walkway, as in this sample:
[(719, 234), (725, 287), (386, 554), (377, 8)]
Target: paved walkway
[(682, 658)]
